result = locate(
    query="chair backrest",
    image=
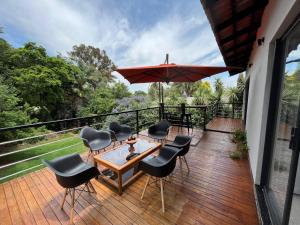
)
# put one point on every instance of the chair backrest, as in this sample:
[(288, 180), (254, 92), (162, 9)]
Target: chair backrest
[(163, 125), (184, 142), (70, 170), (169, 156), (115, 127), (61, 165), (89, 134)]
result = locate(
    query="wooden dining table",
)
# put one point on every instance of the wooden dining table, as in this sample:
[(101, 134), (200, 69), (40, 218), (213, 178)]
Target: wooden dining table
[(119, 172)]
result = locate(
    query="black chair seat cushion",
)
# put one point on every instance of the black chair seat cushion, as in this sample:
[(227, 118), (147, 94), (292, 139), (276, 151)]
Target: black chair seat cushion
[(122, 136), (98, 144), (71, 171), (158, 135), (161, 165)]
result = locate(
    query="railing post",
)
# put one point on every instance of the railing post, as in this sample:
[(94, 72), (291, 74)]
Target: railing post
[(204, 119), (232, 110), (137, 121), (161, 111), (182, 108)]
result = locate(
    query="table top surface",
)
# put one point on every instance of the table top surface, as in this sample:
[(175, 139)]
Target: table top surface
[(116, 158)]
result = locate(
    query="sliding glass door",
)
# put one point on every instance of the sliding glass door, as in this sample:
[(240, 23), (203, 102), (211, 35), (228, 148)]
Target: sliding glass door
[(284, 185)]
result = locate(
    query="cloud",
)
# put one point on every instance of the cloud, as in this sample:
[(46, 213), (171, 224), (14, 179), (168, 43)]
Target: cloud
[(133, 33)]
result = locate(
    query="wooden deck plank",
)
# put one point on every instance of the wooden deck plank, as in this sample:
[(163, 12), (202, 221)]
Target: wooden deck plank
[(26, 215), (217, 190), (12, 204), (4, 210)]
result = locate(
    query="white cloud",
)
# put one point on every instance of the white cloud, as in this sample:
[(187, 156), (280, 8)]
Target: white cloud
[(58, 25)]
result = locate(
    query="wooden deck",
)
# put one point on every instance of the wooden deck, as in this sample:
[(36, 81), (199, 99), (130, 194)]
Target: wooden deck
[(224, 124), (218, 190)]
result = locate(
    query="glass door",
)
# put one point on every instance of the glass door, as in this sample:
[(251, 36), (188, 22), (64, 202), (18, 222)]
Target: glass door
[(283, 166)]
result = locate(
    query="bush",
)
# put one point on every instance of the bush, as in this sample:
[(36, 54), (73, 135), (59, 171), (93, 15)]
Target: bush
[(235, 155), (240, 138)]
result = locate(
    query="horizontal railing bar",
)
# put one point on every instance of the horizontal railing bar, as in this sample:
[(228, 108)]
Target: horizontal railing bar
[(36, 146), (19, 172), (37, 156), (39, 136), (39, 124)]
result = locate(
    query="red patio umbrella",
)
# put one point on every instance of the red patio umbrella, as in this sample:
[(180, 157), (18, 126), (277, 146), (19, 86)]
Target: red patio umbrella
[(170, 73)]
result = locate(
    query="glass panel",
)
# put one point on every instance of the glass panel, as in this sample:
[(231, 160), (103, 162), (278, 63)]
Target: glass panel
[(118, 156), (293, 69), (287, 119)]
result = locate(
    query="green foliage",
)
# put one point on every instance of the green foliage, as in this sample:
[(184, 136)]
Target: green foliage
[(203, 94), (175, 96), (12, 114), (235, 155), (140, 93), (95, 62), (239, 136), (219, 90), (120, 90), (100, 101), (153, 91)]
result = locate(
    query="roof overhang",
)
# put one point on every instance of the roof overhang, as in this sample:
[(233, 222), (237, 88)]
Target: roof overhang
[(235, 24)]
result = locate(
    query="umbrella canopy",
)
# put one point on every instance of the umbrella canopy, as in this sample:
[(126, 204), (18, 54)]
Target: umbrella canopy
[(169, 73)]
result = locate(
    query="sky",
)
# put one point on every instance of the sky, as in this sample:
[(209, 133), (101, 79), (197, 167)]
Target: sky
[(132, 32)]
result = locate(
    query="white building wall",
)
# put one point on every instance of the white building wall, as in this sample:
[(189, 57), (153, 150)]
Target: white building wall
[(277, 17)]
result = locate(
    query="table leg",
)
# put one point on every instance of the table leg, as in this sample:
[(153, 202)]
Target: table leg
[(120, 186)]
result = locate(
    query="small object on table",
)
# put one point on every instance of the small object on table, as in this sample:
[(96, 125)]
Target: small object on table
[(131, 141)]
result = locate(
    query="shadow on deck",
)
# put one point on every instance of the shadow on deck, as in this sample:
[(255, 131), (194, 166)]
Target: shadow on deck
[(218, 190)]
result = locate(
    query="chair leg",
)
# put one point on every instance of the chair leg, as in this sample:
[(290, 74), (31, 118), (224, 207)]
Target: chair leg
[(186, 164), (92, 187), (162, 195), (90, 153), (72, 206), (88, 188), (147, 182), (64, 199)]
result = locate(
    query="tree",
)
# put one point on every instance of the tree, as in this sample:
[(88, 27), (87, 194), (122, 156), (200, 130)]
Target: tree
[(174, 96), (140, 93), (233, 94), (203, 93), (5, 68), (120, 90), (95, 62), (219, 89), (100, 101), (153, 91), (240, 87), (186, 88), (12, 114)]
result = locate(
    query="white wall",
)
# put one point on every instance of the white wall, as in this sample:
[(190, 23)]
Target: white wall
[(277, 17)]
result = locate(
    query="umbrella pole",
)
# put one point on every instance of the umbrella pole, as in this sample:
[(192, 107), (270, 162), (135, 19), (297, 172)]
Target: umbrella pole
[(162, 94), (159, 97)]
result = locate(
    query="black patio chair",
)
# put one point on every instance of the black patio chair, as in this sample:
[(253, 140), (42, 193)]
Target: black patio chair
[(71, 172), (95, 140), (160, 167), (182, 143), (160, 130), (119, 132)]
